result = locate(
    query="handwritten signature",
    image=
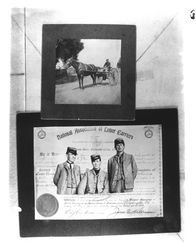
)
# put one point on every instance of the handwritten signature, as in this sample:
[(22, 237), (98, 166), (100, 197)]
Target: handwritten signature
[(71, 212), (117, 211)]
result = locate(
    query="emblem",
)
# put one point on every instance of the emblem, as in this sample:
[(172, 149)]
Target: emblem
[(47, 205), (148, 132), (41, 134)]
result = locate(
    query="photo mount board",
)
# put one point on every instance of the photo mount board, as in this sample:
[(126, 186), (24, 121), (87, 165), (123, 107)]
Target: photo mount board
[(170, 222), (123, 111)]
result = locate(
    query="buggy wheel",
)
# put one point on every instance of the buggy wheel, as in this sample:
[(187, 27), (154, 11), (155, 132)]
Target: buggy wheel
[(110, 78), (113, 77), (116, 76)]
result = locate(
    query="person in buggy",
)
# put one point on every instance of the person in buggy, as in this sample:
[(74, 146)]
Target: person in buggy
[(106, 67)]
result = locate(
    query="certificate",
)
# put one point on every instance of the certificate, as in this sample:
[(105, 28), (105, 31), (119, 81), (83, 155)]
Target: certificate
[(143, 142), (78, 178)]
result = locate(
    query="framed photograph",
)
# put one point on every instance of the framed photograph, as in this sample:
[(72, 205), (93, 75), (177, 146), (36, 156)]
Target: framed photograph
[(88, 71), (98, 177)]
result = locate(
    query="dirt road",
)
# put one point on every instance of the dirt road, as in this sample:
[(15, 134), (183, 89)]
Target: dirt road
[(101, 93)]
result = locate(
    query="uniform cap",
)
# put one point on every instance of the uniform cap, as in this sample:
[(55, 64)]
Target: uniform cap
[(95, 157), (71, 150)]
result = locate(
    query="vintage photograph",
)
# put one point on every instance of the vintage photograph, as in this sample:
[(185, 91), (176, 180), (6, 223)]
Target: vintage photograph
[(98, 172), (88, 71)]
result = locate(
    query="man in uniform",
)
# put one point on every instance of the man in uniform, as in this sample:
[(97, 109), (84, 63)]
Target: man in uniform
[(107, 68), (95, 180), (122, 169), (107, 65), (67, 175)]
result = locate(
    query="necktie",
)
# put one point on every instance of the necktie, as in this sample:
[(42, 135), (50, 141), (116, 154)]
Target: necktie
[(120, 169), (73, 181)]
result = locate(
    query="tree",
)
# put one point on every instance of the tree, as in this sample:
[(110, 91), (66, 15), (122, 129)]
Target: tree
[(119, 63), (66, 48)]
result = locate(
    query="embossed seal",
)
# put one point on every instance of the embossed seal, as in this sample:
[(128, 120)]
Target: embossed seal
[(148, 133), (41, 134), (47, 205)]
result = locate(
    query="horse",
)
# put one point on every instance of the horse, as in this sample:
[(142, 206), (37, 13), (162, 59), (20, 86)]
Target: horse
[(82, 70)]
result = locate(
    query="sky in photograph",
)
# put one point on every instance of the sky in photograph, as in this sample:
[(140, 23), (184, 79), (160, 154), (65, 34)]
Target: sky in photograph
[(96, 51)]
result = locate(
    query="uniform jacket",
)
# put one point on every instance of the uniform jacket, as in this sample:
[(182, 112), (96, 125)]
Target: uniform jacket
[(129, 169), (107, 64), (91, 181), (65, 178)]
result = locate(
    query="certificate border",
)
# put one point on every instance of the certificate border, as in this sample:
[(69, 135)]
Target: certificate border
[(170, 222), (125, 111)]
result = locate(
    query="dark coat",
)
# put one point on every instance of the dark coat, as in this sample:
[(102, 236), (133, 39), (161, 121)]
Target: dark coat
[(64, 178), (129, 169)]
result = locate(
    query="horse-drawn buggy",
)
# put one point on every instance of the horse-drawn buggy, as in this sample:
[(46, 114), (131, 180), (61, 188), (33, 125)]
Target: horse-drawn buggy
[(97, 74), (111, 76)]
